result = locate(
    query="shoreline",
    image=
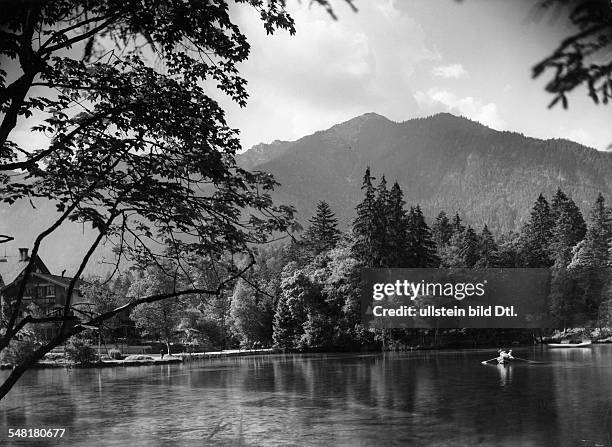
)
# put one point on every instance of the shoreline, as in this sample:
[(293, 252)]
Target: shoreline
[(187, 357), (154, 359)]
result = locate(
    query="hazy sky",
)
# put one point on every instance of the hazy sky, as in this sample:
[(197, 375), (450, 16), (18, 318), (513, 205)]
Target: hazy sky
[(404, 59)]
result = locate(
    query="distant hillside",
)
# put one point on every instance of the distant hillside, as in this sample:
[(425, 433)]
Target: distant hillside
[(442, 162)]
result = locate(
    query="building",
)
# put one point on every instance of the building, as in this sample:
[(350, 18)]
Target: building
[(45, 293)]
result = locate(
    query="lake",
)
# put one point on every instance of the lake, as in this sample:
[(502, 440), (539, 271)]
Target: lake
[(438, 398)]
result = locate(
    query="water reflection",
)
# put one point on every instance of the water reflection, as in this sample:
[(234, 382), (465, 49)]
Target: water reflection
[(423, 398)]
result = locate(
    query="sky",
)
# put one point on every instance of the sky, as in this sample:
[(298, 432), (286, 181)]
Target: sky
[(406, 59)]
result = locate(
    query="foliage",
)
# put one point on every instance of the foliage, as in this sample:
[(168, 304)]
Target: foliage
[(421, 247), (365, 225), (252, 314), (442, 230), (536, 236), (115, 354), (160, 318), (138, 148), (582, 59), (323, 233), (19, 350), (488, 251), (79, 351)]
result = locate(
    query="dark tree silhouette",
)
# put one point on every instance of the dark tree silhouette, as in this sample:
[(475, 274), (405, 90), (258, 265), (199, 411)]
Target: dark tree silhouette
[(323, 233), (139, 150), (584, 58)]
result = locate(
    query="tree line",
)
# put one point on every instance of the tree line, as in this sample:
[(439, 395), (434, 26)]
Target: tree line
[(306, 294)]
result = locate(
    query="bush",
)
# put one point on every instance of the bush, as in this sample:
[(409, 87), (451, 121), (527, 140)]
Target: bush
[(79, 351), (18, 351), (115, 354)]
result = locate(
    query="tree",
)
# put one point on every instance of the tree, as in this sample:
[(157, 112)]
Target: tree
[(98, 298), (589, 265), (365, 225), (138, 149), (509, 250), (457, 224), (421, 246), (398, 255), (569, 228), (582, 59), (470, 248), (158, 319), (297, 291), (323, 233), (381, 223), (442, 230), (488, 252), (252, 315), (536, 236)]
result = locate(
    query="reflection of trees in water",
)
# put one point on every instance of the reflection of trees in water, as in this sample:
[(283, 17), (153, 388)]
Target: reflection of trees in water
[(29, 405), (582, 378), (410, 398)]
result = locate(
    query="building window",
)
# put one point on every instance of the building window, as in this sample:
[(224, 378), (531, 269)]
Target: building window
[(51, 291)]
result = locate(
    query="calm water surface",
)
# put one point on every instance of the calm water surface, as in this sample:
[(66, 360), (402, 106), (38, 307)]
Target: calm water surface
[(423, 398)]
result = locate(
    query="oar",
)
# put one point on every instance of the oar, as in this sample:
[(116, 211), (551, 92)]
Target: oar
[(528, 361), (487, 361)]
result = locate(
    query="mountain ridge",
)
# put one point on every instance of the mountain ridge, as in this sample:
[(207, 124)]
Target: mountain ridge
[(442, 162)]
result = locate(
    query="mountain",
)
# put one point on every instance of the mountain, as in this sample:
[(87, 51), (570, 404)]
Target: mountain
[(442, 162)]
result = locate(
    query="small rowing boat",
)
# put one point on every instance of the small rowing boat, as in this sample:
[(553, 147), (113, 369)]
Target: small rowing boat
[(569, 344), (500, 361)]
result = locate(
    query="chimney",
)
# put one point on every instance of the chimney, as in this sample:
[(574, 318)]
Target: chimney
[(23, 255)]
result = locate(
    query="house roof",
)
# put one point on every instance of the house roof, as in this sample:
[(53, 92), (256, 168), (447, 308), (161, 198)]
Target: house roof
[(63, 281), (11, 267)]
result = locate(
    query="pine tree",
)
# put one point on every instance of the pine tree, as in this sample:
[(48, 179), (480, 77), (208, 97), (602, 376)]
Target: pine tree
[(470, 248), (569, 228), (323, 233), (589, 265), (536, 236), (382, 215), (364, 225), (421, 247), (450, 254), (457, 225), (397, 255), (442, 230), (488, 251)]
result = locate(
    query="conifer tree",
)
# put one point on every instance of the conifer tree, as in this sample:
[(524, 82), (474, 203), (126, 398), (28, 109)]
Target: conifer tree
[(442, 230), (450, 254), (457, 224), (593, 251), (421, 247), (323, 233), (488, 251), (382, 215), (536, 236), (470, 248), (364, 225), (589, 265), (398, 254), (569, 228)]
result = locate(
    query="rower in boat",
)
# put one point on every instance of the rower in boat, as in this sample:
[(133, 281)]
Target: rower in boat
[(504, 356)]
